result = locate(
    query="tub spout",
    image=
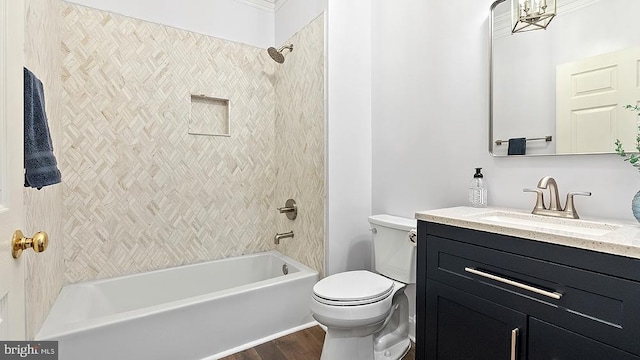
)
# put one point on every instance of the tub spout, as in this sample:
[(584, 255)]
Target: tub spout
[(276, 239)]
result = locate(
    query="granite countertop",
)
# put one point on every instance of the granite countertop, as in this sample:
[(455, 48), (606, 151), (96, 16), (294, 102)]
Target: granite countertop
[(602, 235)]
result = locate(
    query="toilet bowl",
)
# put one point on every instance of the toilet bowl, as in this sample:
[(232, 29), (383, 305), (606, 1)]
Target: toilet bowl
[(367, 314), (355, 318)]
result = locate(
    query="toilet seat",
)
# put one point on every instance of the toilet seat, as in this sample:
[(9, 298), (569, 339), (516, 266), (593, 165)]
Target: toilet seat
[(353, 288)]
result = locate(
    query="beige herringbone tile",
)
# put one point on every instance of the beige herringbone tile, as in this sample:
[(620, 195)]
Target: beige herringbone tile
[(300, 154), (140, 193)]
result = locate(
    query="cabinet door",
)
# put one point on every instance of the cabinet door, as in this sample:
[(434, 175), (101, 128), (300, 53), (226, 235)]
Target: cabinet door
[(548, 341), (461, 326)]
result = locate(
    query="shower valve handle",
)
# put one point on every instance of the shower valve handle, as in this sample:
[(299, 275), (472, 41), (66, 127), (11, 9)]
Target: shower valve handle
[(290, 208)]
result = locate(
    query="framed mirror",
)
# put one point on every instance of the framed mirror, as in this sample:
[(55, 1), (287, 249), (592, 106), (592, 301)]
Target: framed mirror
[(562, 90)]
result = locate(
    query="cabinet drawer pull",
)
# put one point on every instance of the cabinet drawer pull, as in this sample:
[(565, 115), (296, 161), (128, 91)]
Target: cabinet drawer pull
[(514, 343), (553, 295)]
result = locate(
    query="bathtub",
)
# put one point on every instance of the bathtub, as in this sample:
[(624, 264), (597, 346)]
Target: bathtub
[(201, 311)]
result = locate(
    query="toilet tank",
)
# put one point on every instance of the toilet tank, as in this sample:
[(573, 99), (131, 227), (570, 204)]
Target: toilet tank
[(395, 254)]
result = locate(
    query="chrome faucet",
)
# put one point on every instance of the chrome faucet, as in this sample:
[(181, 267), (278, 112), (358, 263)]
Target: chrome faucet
[(279, 236), (549, 182), (554, 208)]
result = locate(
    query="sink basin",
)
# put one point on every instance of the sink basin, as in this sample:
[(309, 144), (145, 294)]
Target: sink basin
[(551, 224)]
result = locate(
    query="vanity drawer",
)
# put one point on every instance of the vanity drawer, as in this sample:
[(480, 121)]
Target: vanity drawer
[(596, 305)]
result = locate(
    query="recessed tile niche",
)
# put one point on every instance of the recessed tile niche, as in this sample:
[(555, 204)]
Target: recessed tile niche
[(209, 116)]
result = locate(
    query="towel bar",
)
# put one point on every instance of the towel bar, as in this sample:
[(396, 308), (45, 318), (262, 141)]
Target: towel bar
[(547, 138)]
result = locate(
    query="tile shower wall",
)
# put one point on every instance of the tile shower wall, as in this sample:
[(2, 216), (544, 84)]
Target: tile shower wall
[(300, 151), (43, 208), (140, 193)]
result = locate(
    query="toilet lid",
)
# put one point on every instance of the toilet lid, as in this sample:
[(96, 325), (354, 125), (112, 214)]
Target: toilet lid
[(353, 288)]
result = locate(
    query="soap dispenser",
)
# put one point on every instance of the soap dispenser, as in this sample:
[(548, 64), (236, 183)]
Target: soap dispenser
[(478, 190)]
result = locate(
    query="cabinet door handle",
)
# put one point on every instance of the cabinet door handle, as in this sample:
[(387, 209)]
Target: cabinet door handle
[(514, 344), (553, 295)]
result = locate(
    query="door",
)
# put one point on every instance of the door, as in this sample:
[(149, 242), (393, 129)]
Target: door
[(12, 313), (462, 326), (548, 341), (590, 95)]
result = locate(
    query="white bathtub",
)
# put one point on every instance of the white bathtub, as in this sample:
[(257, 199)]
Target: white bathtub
[(201, 311)]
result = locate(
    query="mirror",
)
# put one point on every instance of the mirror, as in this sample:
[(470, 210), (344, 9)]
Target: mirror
[(564, 88)]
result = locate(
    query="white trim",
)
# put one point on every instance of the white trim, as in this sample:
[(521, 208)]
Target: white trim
[(4, 115), (266, 5), (271, 5), (265, 339), (12, 289), (574, 5), (279, 4)]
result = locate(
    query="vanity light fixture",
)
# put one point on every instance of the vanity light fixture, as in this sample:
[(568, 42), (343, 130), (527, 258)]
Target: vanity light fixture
[(530, 15)]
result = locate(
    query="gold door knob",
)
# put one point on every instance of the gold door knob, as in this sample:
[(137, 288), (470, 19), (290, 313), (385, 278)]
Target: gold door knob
[(38, 243)]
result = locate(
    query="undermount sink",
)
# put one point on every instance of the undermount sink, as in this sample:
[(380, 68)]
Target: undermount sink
[(538, 222)]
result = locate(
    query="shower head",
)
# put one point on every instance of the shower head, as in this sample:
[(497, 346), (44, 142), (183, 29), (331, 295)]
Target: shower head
[(277, 55)]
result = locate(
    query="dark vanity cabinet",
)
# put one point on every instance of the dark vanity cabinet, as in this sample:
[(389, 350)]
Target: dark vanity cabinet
[(486, 296)]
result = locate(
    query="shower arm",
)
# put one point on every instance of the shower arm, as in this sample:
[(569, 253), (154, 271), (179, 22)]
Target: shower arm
[(288, 47)]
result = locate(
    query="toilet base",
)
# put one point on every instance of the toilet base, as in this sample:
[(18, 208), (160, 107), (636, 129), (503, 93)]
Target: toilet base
[(395, 352), (387, 339), (351, 348), (392, 342), (361, 348)]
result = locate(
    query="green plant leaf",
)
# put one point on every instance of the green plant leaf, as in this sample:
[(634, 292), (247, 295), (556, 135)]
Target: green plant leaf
[(634, 158)]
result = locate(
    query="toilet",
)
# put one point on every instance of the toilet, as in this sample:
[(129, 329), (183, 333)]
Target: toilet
[(366, 313)]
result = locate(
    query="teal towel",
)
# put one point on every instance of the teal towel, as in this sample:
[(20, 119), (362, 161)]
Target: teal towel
[(40, 165)]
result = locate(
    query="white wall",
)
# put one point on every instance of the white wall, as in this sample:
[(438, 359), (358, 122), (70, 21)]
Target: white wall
[(348, 239), (430, 115), (232, 20), (243, 21), (293, 15), (402, 129)]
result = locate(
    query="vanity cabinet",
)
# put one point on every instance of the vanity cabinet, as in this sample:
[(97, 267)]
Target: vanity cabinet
[(482, 295), (470, 327), (547, 341)]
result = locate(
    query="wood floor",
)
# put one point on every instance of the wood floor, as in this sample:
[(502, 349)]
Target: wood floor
[(302, 345)]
